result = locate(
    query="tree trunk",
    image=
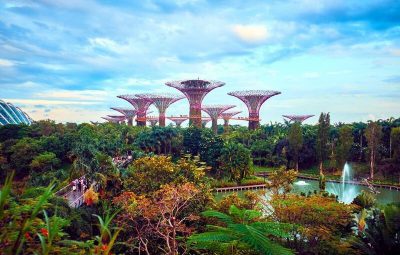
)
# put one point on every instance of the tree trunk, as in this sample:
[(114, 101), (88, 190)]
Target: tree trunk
[(297, 165), (361, 145), (372, 164), (321, 168)]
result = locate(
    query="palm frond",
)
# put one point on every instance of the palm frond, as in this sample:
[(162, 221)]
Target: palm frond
[(258, 241), (273, 228), (219, 215)]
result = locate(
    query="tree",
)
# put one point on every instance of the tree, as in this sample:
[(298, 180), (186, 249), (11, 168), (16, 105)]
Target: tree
[(320, 224), (295, 138), (322, 139), (236, 161), (147, 174), (373, 134), (395, 140), (281, 180), (240, 232), (44, 162), (163, 214), (344, 145)]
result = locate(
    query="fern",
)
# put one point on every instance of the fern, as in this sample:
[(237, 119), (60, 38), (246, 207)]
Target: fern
[(241, 232)]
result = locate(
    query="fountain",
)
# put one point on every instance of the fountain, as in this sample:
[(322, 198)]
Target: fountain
[(346, 192), (301, 183)]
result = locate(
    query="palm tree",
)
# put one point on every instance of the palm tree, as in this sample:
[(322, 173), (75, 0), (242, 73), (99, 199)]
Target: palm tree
[(241, 231)]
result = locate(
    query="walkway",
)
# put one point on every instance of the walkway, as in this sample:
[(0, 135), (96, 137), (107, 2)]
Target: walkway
[(385, 186), (238, 188)]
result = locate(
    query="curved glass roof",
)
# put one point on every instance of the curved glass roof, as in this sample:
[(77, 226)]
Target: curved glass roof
[(9, 114)]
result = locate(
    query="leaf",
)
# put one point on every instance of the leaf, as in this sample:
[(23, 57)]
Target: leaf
[(219, 215)]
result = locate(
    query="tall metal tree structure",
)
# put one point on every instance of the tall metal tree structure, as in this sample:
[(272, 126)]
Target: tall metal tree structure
[(298, 118), (141, 105), (178, 120), (112, 120), (161, 102), (129, 113), (152, 120), (226, 116), (254, 99), (195, 91), (215, 112), (204, 121), (120, 118)]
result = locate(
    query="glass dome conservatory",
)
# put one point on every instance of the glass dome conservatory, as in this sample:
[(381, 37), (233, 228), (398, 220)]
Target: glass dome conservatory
[(10, 114)]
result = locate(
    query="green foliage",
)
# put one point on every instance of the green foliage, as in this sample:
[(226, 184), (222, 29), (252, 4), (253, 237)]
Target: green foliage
[(295, 138), (235, 160), (382, 234), (322, 137), (365, 200), (204, 143), (373, 133), (395, 142), (281, 181), (240, 230), (44, 162), (322, 182), (344, 145)]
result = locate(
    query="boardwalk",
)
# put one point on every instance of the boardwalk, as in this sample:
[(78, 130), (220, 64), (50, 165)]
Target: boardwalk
[(362, 183), (238, 188)]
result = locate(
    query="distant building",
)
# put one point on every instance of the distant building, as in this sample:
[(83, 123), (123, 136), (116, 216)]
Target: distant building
[(10, 114)]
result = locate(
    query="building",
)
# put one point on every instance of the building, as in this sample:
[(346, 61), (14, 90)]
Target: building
[(10, 114)]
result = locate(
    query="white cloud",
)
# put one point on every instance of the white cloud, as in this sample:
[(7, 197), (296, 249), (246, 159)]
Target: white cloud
[(251, 33), (6, 63), (106, 43), (90, 95), (46, 102)]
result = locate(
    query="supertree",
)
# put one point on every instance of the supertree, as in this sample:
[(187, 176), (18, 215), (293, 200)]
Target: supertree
[(161, 102), (140, 104), (152, 120), (112, 120), (204, 121), (129, 113), (298, 118), (254, 99), (120, 118), (226, 116), (178, 119), (195, 91), (215, 112)]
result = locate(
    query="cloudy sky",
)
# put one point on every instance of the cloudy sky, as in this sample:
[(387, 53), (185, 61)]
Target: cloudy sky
[(68, 60)]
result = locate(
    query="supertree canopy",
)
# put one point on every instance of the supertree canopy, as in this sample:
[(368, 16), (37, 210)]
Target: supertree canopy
[(195, 91), (178, 119), (120, 118), (127, 112), (298, 118), (226, 116), (254, 99), (153, 120), (112, 120), (215, 112), (141, 105), (161, 102)]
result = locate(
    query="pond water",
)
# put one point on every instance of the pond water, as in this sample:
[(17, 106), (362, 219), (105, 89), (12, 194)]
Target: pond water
[(384, 196)]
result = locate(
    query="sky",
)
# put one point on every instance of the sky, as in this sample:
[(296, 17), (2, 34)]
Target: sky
[(68, 60)]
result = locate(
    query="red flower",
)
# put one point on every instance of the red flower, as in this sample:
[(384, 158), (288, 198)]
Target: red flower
[(104, 247), (44, 232), (28, 236)]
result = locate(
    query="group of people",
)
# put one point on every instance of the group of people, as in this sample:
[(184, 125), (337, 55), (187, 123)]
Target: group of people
[(80, 185)]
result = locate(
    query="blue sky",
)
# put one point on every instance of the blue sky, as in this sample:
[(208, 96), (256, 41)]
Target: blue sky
[(68, 60)]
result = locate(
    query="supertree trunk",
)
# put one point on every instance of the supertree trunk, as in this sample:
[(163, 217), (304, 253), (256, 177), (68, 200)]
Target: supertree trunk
[(195, 117)]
